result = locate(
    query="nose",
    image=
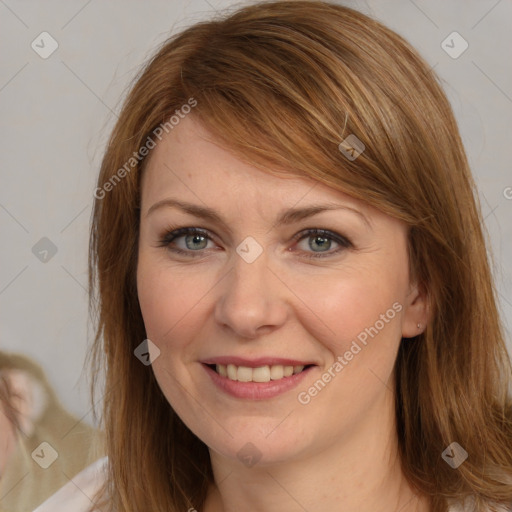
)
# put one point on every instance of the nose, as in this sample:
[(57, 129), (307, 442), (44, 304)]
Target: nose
[(252, 299)]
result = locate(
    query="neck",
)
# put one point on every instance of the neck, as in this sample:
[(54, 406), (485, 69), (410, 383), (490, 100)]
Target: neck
[(360, 471)]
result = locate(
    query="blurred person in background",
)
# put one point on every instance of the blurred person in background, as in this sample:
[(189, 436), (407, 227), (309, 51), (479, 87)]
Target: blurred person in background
[(42, 445)]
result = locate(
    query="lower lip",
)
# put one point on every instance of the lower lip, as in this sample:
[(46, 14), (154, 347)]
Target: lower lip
[(256, 390)]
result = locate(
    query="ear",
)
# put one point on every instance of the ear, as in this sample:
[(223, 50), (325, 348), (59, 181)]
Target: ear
[(416, 311)]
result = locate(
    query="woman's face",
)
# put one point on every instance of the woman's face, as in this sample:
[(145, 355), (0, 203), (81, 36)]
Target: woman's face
[(256, 290)]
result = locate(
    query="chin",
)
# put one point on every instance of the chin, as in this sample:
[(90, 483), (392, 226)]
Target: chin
[(264, 442)]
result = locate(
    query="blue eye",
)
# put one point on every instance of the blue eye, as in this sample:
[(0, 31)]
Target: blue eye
[(193, 241), (320, 242), (186, 241)]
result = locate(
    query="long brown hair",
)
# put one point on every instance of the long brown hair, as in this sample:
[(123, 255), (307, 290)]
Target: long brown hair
[(282, 84)]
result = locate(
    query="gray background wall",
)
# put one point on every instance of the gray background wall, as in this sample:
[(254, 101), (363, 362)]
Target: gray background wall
[(56, 113)]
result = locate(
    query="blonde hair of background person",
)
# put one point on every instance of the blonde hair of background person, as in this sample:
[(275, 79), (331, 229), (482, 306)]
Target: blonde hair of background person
[(7, 424), (281, 85)]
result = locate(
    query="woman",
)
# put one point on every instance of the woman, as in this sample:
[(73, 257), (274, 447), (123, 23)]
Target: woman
[(40, 441), (295, 306)]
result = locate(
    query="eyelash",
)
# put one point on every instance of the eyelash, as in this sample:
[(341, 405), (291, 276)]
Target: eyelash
[(170, 236)]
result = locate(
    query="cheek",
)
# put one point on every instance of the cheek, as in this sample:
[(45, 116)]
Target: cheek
[(341, 309), (357, 320), (170, 301)]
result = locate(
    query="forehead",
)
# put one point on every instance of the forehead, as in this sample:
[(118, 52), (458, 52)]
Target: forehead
[(190, 163)]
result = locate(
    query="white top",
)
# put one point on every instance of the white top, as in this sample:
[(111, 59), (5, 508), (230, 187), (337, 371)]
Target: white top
[(77, 495)]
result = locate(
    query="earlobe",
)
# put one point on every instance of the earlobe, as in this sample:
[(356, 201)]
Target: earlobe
[(416, 312)]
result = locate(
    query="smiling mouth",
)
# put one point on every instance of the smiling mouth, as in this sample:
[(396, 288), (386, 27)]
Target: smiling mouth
[(260, 374)]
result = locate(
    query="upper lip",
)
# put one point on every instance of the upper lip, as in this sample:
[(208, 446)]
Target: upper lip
[(256, 362)]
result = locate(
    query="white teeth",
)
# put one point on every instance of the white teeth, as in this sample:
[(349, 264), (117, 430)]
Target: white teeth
[(276, 372), (297, 369), (231, 371), (244, 374), (260, 374)]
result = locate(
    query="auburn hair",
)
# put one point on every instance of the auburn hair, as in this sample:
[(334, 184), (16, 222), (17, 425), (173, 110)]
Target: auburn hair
[(281, 84)]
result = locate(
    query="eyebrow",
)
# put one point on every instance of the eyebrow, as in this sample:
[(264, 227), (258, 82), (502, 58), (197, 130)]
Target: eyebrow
[(287, 217)]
